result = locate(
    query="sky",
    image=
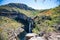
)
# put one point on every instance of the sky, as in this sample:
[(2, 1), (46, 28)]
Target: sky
[(40, 4)]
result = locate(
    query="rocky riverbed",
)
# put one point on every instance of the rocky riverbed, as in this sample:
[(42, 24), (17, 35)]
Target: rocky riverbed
[(47, 36)]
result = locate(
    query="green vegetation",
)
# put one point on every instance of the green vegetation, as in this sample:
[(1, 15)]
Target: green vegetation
[(6, 25), (44, 22), (29, 13)]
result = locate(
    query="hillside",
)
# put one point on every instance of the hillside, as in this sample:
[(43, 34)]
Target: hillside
[(16, 16), (47, 20), (18, 7), (7, 26)]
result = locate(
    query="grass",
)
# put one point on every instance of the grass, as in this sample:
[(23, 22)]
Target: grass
[(46, 24), (7, 24)]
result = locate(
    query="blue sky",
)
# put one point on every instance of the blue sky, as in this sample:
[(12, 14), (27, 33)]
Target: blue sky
[(31, 3)]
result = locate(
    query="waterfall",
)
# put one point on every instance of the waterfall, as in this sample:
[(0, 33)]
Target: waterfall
[(29, 27)]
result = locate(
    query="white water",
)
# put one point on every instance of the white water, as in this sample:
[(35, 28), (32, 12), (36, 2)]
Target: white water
[(29, 27)]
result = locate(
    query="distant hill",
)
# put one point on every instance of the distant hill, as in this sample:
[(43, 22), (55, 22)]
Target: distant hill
[(18, 8), (19, 5), (51, 11)]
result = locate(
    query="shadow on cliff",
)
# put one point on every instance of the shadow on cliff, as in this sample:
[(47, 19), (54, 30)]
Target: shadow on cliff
[(22, 18), (21, 36)]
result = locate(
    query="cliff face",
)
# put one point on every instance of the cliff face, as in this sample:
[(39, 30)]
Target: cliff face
[(14, 21), (19, 12)]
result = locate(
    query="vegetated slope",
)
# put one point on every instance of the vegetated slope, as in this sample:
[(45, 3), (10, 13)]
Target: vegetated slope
[(8, 27), (19, 11), (47, 20), (8, 13), (18, 7)]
